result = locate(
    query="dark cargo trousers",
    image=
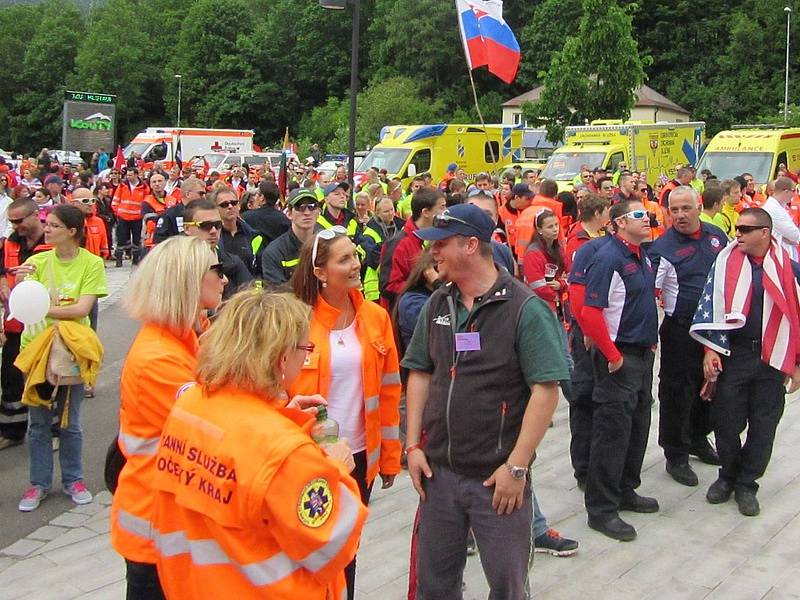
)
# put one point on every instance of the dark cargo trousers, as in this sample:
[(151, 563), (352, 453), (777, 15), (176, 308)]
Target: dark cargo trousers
[(620, 426), (453, 504), (581, 407), (684, 419), (750, 394)]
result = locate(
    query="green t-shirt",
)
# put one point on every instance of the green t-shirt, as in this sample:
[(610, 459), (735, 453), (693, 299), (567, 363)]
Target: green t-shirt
[(83, 275), (718, 219), (404, 207), (539, 342)]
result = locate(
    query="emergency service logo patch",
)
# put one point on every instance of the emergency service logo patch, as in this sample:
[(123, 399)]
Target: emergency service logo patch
[(316, 503)]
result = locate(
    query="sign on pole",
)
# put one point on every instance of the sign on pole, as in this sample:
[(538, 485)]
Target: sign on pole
[(89, 120)]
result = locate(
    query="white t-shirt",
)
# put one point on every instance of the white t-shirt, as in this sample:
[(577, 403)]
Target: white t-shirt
[(346, 391), (784, 230)]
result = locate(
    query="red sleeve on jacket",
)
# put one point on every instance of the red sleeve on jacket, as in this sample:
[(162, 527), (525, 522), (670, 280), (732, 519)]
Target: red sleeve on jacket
[(576, 293), (533, 271), (594, 326), (402, 264)]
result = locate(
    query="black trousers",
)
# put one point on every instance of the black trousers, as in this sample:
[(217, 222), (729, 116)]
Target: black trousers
[(684, 419), (360, 475), (581, 407), (13, 413), (620, 426), (749, 393), (142, 582), (129, 237)]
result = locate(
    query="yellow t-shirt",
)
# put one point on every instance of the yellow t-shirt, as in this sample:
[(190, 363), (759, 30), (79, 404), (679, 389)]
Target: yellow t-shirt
[(83, 275)]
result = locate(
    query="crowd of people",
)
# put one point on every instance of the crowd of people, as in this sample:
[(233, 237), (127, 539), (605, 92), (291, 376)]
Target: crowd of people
[(434, 323)]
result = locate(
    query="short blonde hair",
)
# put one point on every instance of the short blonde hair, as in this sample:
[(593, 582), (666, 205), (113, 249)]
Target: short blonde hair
[(242, 347), (165, 288)]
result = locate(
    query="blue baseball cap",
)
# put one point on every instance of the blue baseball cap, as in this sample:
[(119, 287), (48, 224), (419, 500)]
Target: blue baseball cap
[(452, 167), (462, 219), (335, 185)]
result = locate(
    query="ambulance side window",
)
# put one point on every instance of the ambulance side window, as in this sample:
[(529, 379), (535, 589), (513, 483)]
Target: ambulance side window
[(157, 152), (616, 158), (422, 160), (491, 150)]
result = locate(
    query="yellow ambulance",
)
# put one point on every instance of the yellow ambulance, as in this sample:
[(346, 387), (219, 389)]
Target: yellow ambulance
[(409, 150), (756, 149), (655, 148)]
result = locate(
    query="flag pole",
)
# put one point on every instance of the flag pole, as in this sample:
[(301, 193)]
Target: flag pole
[(480, 115)]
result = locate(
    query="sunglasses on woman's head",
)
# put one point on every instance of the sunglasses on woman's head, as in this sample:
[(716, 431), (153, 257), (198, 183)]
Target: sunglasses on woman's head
[(325, 234)]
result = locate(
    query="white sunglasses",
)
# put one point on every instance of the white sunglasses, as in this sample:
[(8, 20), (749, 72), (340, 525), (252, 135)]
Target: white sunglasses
[(325, 234)]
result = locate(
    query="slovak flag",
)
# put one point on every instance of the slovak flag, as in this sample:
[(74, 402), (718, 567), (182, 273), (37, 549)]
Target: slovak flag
[(488, 40)]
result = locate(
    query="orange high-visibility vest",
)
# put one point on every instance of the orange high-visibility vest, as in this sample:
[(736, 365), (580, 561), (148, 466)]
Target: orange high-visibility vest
[(247, 504), (155, 206), (526, 221), (96, 236), (127, 202), (661, 215), (11, 258), (380, 377), (159, 362)]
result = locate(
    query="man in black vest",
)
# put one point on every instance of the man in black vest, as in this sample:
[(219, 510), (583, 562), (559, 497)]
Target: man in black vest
[(484, 361)]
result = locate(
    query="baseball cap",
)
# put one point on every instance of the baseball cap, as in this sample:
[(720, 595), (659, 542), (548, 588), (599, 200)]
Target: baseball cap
[(599, 170), (522, 189), (335, 185), (53, 179), (462, 219), (479, 192), (452, 167), (297, 196)]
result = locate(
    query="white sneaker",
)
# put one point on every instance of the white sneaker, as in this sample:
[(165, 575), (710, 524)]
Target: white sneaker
[(78, 492), (32, 498)]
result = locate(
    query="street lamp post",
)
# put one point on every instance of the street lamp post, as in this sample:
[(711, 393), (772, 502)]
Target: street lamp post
[(179, 78), (788, 12), (351, 152)]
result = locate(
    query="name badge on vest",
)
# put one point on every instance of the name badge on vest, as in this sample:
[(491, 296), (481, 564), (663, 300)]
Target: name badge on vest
[(468, 342)]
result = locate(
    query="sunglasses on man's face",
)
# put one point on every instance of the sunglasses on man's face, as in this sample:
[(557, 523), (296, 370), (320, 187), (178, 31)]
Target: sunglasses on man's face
[(307, 207), (206, 225), (635, 214), (87, 200), (18, 221), (749, 228), (227, 204)]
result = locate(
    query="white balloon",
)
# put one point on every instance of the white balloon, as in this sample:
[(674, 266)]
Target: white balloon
[(29, 302)]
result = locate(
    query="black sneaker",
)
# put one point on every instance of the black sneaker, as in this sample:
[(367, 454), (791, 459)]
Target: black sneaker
[(635, 503), (552, 543), (747, 502), (682, 473), (703, 450), (719, 492), (472, 545), (118, 261)]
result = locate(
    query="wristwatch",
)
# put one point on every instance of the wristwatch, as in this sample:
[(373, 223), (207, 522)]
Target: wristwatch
[(517, 472)]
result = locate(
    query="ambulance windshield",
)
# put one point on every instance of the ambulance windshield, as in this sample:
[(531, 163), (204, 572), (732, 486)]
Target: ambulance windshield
[(391, 159), (727, 165), (564, 166)]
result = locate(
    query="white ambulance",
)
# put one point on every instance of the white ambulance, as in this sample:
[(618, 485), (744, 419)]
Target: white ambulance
[(159, 144)]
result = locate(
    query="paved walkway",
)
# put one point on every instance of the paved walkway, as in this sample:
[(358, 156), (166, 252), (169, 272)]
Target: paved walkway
[(689, 550)]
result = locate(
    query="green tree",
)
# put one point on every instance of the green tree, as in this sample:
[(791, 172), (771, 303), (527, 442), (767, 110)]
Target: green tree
[(35, 115), (595, 74), (551, 23), (17, 26), (114, 59)]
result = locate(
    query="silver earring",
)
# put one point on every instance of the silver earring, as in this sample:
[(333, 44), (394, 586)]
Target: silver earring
[(324, 284)]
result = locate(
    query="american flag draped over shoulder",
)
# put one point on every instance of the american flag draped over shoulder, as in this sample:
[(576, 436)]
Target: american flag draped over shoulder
[(725, 302)]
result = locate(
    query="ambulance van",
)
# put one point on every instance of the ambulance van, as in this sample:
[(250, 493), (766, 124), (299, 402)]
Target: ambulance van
[(159, 143), (655, 148), (756, 149), (408, 150)]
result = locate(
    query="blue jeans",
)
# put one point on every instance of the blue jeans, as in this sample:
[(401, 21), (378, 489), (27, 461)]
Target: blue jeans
[(40, 448), (539, 520)]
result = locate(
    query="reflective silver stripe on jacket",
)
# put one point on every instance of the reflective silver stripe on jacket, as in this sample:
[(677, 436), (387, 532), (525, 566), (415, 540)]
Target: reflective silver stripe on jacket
[(139, 446), (133, 524), (391, 379), (390, 433), (373, 458), (372, 402), (539, 283), (271, 570)]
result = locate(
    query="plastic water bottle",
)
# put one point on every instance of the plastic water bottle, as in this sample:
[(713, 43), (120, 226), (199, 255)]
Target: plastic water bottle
[(325, 430)]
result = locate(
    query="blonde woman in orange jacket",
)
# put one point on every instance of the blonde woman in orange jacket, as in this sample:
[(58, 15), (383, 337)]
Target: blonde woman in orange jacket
[(354, 365)]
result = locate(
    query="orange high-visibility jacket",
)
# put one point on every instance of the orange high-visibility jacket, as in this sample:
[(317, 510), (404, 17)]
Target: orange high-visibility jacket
[(11, 258), (156, 206), (127, 201), (96, 236), (247, 504), (380, 373), (526, 221), (159, 362)]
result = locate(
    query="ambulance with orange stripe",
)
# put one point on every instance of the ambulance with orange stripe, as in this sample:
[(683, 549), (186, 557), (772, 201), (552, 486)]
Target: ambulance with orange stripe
[(159, 144), (756, 149)]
